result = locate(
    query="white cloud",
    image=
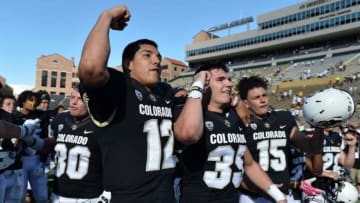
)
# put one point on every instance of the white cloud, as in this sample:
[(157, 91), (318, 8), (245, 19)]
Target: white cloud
[(18, 88)]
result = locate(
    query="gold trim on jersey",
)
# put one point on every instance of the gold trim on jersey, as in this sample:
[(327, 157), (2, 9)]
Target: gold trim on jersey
[(96, 122)]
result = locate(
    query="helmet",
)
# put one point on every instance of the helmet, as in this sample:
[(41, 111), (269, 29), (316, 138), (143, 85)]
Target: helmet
[(328, 108), (347, 193)]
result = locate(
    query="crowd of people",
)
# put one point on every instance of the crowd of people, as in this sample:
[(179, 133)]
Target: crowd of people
[(127, 137)]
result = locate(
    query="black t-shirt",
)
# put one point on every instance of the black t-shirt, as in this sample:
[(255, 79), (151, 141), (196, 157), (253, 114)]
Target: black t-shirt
[(10, 146), (213, 167), (268, 140), (135, 137), (78, 158)]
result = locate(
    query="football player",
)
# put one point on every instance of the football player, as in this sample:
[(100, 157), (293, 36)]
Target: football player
[(217, 157), (135, 118), (338, 154), (78, 171), (269, 137)]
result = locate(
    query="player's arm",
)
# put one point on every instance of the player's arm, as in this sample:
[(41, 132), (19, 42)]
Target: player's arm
[(314, 160), (28, 132), (9, 130), (312, 145), (323, 173), (189, 125), (261, 179), (347, 158), (93, 63)]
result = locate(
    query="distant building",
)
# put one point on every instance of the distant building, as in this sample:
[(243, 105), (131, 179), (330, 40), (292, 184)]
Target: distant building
[(284, 35), (203, 36), (56, 74), (171, 68)]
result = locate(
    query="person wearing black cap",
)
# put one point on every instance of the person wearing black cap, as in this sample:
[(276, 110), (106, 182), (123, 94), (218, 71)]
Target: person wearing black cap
[(44, 100)]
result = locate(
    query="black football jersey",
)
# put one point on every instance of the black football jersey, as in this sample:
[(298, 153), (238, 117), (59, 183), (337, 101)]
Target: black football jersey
[(78, 171), (213, 167), (333, 144), (136, 139), (268, 140)]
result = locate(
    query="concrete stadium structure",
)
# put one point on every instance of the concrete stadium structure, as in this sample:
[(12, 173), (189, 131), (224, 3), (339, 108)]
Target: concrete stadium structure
[(311, 29), (315, 34)]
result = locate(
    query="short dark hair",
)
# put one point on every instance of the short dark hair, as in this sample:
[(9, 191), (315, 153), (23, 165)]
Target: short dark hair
[(76, 87), (24, 95), (6, 95), (248, 83), (131, 49), (212, 65)]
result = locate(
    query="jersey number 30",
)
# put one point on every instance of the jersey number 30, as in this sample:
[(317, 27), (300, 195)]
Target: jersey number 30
[(75, 161)]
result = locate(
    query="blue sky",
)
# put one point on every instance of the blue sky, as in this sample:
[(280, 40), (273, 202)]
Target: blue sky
[(31, 28)]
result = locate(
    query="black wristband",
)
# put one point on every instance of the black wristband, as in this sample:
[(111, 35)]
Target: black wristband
[(196, 88)]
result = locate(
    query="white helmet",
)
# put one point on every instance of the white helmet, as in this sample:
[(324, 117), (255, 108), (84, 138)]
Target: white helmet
[(328, 108), (347, 193)]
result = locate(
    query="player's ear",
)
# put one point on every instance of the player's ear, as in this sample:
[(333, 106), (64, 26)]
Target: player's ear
[(246, 103), (130, 66)]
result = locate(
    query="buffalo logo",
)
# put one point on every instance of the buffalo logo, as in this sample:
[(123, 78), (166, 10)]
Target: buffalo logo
[(209, 125), (73, 127), (253, 126), (266, 125), (139, 95), (152, 97), (227, 123), (60, 127)]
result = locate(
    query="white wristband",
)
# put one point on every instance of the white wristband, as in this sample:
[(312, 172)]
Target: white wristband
[(275, 193), (196, 90), (198, 84), (195, 94)]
